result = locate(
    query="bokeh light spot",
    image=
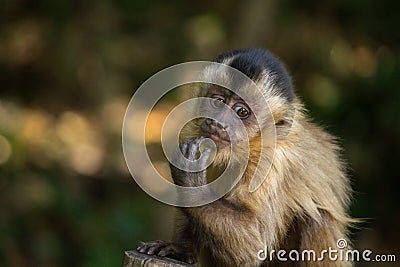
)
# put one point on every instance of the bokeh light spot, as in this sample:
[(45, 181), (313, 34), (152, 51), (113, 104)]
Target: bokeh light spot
[(5, 150), (364, 62)]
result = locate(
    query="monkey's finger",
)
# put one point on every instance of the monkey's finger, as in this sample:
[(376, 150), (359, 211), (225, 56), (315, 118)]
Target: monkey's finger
[(145, 246), (183, 147), (142, 247), (162, 253), (167, 250), (153, 250), (193, 149), (191, 142), (205, 154)]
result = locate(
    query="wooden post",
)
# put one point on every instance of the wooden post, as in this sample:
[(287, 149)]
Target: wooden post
[(133, 258)]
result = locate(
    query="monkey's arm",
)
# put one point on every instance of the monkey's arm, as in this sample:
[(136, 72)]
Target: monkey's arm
[(186, 246), (229, 230), (234, 232)]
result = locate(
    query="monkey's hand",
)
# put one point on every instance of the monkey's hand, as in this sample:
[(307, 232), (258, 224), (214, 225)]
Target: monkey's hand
[(190, 149), (175, 251)]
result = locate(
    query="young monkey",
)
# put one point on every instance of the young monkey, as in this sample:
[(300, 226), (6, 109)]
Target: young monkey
[(302, 203)]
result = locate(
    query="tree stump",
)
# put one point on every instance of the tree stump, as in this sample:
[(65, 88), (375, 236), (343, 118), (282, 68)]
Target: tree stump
[(133, 258)]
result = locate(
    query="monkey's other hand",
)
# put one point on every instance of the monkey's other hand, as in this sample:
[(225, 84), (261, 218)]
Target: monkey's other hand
[(166, 249), (190, 149)]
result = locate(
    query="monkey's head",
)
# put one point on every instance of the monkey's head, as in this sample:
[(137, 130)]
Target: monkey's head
[(273, 86)]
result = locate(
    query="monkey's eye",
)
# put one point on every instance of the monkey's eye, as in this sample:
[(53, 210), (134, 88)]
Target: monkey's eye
[(242, 112), (218, 101)]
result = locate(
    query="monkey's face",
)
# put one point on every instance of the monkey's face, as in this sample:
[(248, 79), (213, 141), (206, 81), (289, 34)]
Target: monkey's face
[(224, 129)]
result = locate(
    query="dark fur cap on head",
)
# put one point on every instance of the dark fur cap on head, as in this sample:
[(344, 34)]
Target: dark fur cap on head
[(259, 64)]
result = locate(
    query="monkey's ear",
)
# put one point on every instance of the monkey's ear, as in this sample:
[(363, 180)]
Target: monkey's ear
[(284, 124)]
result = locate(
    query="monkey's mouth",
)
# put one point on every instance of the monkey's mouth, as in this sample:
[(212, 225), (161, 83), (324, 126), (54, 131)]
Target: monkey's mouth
[(220, 142)]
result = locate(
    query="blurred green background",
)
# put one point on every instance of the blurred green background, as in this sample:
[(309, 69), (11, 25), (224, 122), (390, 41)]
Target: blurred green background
[(69, 68)]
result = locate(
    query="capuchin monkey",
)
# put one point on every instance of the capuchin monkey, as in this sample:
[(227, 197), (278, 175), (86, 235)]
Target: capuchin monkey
[(302, 202)]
